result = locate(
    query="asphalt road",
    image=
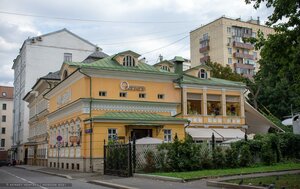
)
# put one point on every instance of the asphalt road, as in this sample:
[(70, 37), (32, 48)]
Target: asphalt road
[(11, 177)]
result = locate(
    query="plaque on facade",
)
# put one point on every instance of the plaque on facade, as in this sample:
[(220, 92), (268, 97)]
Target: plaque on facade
[(126, 87)]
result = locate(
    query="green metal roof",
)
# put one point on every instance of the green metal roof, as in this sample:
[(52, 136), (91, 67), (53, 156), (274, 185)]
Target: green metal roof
[(133, 116), (178, 58), (187, 79), (109, 63)]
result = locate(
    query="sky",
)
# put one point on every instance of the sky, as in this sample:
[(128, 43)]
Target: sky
[(149, 28)]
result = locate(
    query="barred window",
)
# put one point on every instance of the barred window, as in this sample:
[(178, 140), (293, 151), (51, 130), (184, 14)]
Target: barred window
[(167, 135)]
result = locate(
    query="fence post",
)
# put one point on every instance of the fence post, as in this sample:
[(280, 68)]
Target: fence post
[(133, 153), (104, 158), (129, 161)]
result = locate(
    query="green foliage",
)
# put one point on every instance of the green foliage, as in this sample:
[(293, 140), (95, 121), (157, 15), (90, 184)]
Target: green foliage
[(279, 64), (245, 156), (150, 162), (231, 157), (205, 157), (218, 158), (289, 145)]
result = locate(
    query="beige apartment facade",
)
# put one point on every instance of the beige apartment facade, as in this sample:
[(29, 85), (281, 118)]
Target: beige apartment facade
[(6, 114), (223, 41)]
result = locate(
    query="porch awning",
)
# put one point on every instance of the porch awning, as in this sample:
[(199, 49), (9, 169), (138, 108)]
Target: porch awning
[(203, 134), (134, 117), (230, 133), (220, 134)]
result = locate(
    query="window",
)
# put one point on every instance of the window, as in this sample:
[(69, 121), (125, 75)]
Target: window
[(160, 96), (3, 118), (2, 142), (128, 61), (205, 36), (77, 165), (68, 57), (255, 55), (237, 50), (166, 68), (102, 93), (229, 60), (214, 105), (123, 94), (194, 102), (202, 74), (167, 135), (229, 50), (253, 34), (112, 134), (3, 130), (3, 106), (229, 30), (229, 40), (65, 75), (232, 105), (142, 95)]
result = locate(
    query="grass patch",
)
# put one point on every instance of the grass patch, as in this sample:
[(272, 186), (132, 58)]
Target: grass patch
[(236, 171), (281, 181)]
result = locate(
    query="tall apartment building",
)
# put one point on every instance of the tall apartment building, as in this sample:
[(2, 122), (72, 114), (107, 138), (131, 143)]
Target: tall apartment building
[(38, 56), (6, 114), (223, 41)]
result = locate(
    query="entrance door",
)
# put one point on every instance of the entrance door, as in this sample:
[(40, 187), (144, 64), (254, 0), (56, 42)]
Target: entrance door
[(26, 156), (141, 133)]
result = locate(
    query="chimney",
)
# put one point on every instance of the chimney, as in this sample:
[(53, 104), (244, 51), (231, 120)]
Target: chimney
[(258, 21), (160, 58), (178, 61)]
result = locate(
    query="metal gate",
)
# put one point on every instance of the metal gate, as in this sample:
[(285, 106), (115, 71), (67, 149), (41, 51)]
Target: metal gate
[(118, 159)]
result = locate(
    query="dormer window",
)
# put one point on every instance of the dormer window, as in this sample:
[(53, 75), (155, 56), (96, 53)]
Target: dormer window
[(128, 61), (164, 67), (202, 74)]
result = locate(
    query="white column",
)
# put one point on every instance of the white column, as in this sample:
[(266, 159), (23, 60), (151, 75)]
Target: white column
[(205, 101), (224, 102)]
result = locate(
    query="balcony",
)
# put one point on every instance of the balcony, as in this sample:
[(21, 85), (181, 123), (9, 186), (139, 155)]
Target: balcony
[(242, 45), (242, 55), (204, 59), (204, 49), (244, 66)]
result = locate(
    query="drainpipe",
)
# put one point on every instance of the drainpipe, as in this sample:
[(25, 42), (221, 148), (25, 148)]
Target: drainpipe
[(91, 120)]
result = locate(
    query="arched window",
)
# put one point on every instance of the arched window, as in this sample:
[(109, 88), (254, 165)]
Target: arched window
[(202, 74), (65, 75), (166, 68), (128, 61)]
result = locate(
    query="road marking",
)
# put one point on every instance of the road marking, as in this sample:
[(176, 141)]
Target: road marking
[(23, 179)]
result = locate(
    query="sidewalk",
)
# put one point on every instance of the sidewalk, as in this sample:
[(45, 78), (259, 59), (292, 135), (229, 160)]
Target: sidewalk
[(143, 183)]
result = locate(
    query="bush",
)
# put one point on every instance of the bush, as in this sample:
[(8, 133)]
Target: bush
[(231, 157), (205, 157), (245, 156), (150, 162), (218, 158)]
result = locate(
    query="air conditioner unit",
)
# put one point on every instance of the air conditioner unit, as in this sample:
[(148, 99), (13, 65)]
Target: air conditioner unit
[(39, 38)]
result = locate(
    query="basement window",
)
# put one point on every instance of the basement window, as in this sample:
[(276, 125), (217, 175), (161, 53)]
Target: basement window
[(160, 96), (142, 95), (102, 93), (123, 94)]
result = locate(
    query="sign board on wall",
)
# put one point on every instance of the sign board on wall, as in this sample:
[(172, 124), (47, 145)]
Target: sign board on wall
[(73, 139), (126, 87)]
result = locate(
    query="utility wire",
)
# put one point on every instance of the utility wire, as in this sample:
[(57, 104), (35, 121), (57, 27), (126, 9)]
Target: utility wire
[(143, 40), (101, 21), (165, 45)]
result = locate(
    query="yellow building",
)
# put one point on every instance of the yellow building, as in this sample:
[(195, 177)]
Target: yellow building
[(222, 41), (119, 96), (36, 149)]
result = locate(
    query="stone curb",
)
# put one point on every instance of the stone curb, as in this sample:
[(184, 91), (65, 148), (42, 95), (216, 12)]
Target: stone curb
[(231, 185), (157, 177), (46, 172), (110, 185)]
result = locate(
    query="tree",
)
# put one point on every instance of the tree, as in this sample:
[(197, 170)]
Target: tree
[(278, 80)]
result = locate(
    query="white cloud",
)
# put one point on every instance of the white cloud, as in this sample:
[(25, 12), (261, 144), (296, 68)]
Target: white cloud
[(15, 29)]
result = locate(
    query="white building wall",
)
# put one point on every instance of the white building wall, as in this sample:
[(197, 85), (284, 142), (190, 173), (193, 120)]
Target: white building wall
[(36, 60)]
